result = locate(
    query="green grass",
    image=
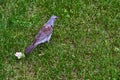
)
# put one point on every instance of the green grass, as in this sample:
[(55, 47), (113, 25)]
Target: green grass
[(85, 44)]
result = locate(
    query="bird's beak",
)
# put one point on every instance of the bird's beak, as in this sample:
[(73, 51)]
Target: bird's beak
[(56, 17)]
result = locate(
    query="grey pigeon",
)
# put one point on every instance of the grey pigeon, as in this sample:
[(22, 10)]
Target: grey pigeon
[(43, 35)]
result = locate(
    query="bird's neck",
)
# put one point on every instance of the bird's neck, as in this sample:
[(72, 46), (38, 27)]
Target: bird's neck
[(50, 22)]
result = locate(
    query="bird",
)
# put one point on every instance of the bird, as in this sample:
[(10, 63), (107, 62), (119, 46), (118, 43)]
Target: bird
[(43, 35)]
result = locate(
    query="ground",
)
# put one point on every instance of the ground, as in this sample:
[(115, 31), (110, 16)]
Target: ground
[(85, 44)]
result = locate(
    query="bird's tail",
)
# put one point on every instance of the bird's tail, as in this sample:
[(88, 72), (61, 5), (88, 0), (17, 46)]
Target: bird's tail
[(29, 49)]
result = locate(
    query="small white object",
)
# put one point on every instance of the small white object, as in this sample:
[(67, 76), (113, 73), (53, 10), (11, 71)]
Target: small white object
[(19, 55)]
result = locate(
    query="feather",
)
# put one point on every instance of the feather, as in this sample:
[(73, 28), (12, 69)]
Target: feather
[(43, 35)]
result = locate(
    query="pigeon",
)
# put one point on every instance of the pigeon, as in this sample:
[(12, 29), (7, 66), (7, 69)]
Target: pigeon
[(43, 35)]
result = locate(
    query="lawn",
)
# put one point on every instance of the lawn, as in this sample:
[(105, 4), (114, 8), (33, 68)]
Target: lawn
[(85, 44)]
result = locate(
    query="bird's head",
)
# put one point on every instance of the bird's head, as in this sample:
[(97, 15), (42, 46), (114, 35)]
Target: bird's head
[(54, 17), (51, 20)]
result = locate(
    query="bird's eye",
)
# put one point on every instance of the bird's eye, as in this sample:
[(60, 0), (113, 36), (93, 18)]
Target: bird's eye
[(55, 17)]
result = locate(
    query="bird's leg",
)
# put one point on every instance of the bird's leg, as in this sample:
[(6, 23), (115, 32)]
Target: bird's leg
[(48, 40)]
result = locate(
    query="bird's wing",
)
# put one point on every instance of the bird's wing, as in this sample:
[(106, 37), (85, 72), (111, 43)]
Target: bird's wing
[(43, 33)]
